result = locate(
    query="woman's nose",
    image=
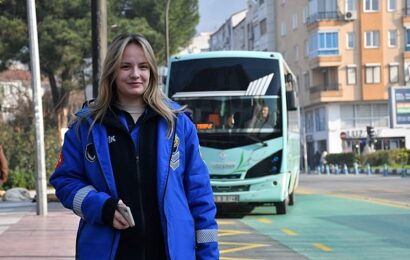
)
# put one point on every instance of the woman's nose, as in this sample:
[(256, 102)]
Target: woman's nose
[(135, 73)]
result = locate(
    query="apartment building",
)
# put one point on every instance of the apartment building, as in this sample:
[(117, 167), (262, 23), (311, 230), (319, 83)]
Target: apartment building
[(260, 25), (346, 54), (231, 34)]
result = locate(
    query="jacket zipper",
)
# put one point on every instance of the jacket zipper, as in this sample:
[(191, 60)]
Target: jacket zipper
[(143, 227), (165, 190)]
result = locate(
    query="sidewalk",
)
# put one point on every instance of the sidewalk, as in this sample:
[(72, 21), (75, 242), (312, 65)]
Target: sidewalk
[(24, 235)]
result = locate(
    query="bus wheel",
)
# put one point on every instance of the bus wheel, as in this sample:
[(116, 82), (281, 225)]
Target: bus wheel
[(292, 199), (281, 207)]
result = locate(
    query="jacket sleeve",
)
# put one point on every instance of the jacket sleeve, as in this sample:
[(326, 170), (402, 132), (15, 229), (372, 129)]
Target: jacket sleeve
[(73, 188), (200, 198)]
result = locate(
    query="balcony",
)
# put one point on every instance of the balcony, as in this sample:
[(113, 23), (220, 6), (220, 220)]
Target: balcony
[(325, 93), (323, 16), (324, 87), (325, 61)]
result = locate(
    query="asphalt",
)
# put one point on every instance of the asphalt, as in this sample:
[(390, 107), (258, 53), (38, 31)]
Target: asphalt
[(25, 235)]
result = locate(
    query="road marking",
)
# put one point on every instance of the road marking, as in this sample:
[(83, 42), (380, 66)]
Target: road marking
[(237, 246), (289, 232), (384, 202), (236, 258), (265, 220), (322, 247), (225, 222), (302, 191), (231, 232)]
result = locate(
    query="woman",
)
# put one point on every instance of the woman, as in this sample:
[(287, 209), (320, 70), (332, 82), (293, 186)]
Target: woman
[(132, 146)]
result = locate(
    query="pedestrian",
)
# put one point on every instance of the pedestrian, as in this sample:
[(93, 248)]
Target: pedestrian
[(134, 147), (4, 167)]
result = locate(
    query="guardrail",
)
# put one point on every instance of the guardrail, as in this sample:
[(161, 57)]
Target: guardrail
[(357, 170)]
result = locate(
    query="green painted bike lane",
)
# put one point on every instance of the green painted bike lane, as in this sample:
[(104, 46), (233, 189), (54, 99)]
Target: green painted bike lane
[(331, 227)]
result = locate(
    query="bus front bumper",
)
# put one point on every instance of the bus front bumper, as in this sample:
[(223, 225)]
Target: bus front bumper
[(259, 190)]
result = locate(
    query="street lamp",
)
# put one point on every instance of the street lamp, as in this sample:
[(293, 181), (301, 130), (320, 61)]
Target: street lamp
[(167, 32)]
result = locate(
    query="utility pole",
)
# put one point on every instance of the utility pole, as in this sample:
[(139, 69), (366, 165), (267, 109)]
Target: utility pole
[(99, 39), (41, 188), (167, 32)]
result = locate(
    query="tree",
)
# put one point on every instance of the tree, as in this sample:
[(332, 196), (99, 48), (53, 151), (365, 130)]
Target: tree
[(64, 29)]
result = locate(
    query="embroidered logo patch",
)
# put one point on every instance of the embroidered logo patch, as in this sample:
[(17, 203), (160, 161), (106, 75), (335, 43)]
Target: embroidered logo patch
[(111, 139), (90, 153), (175, 154)]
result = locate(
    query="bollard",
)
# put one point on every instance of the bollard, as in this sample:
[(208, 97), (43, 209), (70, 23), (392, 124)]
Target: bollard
[(356, 168), (327, 170), (369, 170), (337, 169), (403, 172), (385, 170), (319, 170), (345, 170)]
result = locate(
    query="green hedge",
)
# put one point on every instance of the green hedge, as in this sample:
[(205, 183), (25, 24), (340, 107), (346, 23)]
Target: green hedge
[(378, 158), (342, 159)]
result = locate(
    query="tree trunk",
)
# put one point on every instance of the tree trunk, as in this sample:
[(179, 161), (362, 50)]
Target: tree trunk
[(62, 122)]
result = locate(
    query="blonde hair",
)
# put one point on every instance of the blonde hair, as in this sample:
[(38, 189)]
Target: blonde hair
[(153, 95)]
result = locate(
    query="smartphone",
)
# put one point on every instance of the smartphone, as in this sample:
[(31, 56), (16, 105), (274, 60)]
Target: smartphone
[(127, 214)]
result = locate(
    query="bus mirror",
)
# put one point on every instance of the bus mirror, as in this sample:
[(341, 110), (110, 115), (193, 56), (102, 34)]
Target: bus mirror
[(291, 101)]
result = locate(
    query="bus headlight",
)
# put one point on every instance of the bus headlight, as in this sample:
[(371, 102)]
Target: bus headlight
[(268, 166)]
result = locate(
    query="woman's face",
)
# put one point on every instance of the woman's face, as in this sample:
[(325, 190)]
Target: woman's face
[(133, 75)]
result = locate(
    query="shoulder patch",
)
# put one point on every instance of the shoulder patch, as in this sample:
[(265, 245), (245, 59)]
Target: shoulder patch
[(174, 164)]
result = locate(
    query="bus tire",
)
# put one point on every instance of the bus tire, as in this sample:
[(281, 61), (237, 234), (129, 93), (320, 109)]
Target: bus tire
[(292, 199), (281, 207)]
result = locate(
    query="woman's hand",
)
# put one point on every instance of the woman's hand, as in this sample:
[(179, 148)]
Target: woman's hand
[(119, 222)]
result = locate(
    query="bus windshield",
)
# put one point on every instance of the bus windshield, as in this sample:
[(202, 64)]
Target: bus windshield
[(225, 120), (234, 101)]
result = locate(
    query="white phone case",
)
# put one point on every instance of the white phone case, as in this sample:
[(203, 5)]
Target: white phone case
[(127, 214)]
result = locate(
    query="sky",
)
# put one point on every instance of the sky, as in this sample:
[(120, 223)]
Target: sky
[(213, 13)]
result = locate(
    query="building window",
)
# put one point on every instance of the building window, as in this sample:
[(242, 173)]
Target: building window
[(372, 74), (324, 43), (296, 52), (262, 26), (294, 21), (306, 48), (320, 119), (407, 39), (391, 5), (392, 38), (283, 29), (371, 5), (306, 80), (360, 116), (350, 5), (372, 39), (309, 122), (350, 40), (393, 73), (351, 74), (305, 14)]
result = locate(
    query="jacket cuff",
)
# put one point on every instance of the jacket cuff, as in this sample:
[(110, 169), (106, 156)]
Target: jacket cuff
[(108, 211)]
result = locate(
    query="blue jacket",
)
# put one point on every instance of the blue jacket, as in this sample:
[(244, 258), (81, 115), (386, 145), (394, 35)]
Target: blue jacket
[(185, 198)]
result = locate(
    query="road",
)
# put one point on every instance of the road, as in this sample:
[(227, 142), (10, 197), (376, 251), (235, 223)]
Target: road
[(335, 217)]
